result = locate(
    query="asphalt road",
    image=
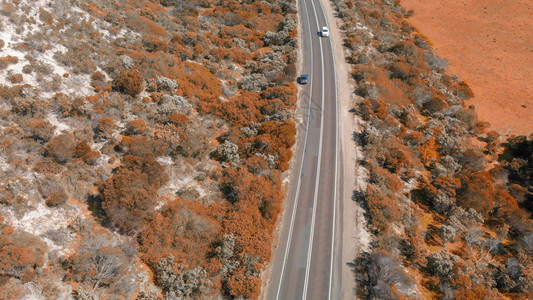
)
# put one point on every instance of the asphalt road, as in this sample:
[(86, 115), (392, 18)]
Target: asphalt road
[(307, 262)]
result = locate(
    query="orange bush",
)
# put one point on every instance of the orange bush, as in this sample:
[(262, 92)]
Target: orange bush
[(447, 185), (61, 148), (20, 254), (129, 196), (6, 60), (140, 145), (245, 286), (251, 231), (15, 78), (282, 133), (45, 16), (144, 25), (106, 127), (137, 126), (478, 192), (184, 230), (286, 93), (84, 151), (382, 210), (242, 109), (429, 151), (82, 148), (178, 119), (129, 82)]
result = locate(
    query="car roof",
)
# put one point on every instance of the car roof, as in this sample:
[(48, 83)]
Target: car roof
[(304, 75), (325, 28)]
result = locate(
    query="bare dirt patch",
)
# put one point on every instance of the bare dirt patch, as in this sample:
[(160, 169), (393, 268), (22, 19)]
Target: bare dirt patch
[(490, 45)]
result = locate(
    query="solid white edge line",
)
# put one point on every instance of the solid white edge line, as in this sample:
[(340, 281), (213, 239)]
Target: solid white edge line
[(295, 206), (310, 247)]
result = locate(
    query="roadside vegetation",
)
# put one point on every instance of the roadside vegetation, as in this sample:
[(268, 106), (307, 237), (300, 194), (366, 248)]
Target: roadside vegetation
[(448, 200), (143, 146)]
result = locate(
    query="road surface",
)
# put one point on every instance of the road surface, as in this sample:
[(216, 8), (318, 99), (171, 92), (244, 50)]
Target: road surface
[(307, 262)]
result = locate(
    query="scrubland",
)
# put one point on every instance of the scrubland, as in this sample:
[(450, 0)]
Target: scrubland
[(143, 146), (448, 199)]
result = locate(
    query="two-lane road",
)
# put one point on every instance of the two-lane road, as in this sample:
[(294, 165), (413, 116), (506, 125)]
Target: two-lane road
[(307, 261)]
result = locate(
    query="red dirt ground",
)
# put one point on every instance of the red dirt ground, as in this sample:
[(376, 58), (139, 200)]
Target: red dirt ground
[(489, 43)]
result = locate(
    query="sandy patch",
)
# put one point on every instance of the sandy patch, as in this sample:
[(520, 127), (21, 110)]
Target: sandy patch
[(490, 45)]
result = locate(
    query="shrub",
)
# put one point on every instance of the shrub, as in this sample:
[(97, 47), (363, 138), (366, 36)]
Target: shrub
[(99, 261), (140, 145), (129, 196), (408, 50), (61, 148), (429, 152), (48, 166), (166, 84), (477, 191), (435, 62), (5, 61), (178, 281), (518, 160), (229, 151), (54, 194), (129, 82), (27, 69), (84, 151), (15, 78), (153, 43), (240, 285), (464, 91), (400, 70), (436, 103), (441, 264), (21, 254), (137, 126), (128, 200), (380, 272), (382, 209), (105, 128), (82, 148), (45, 16), (468, 116)]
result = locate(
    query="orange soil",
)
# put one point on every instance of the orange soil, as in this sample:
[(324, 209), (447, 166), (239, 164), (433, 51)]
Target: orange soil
[(489, 43)]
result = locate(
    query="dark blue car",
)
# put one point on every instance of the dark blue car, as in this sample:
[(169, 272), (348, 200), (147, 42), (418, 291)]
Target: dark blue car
[(303, 79)]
